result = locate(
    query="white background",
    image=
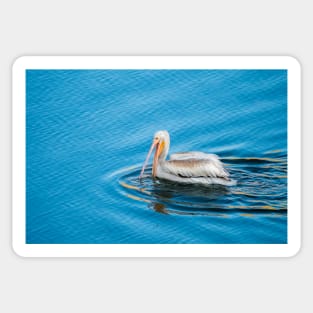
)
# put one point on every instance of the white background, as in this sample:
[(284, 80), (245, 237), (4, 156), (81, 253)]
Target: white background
[(163, 28)]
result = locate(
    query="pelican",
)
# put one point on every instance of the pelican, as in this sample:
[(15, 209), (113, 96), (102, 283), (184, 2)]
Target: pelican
[(185, 167)]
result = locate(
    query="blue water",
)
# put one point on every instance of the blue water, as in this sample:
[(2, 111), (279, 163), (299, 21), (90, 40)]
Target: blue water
[(88, 133)]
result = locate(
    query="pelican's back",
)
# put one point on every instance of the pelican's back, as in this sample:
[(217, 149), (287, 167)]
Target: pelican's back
[(195, 164)]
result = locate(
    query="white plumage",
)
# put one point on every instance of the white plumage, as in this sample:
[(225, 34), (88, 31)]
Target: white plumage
[(186, 167)]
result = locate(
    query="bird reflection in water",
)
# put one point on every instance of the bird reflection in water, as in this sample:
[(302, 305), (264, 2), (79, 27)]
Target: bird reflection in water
[(185, 199), (159, 207)]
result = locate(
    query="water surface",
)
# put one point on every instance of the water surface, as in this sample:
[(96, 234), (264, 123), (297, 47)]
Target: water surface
[(88, 132)]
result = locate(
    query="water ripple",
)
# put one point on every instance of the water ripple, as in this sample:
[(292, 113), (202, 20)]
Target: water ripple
[(260, 190)]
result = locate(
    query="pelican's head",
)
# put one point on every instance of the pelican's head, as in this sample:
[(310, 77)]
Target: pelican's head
[(161, 143)]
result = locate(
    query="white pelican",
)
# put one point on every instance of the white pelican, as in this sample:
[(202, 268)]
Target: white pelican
[(185, 167)]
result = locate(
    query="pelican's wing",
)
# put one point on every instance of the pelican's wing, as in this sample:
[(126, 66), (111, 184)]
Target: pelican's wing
[(208, 166), (192, 155)]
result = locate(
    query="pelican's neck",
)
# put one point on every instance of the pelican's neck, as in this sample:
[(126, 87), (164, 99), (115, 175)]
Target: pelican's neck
[(164, 153), (160, 152)]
